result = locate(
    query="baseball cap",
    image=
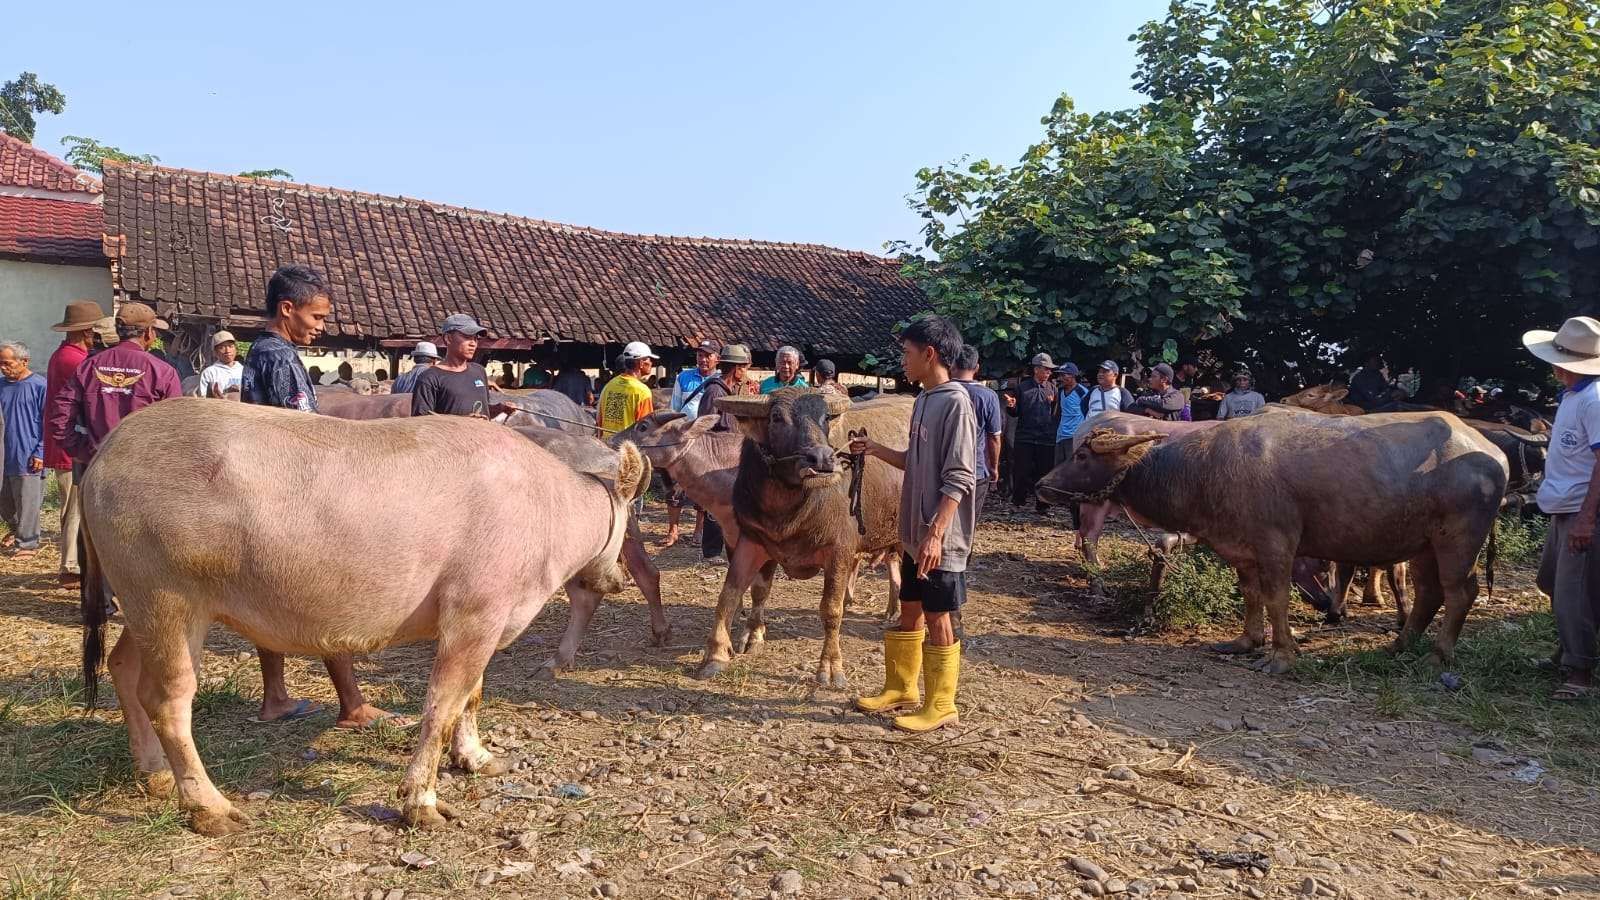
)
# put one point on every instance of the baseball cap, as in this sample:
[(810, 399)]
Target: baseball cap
[(463, 323), (709, 346), (826, 367), (638, 350), (221, 337), (1067, 368), (737, 354), (425, 348), (1162, 369), (140, 315), (1042, 359), (1112, 367)]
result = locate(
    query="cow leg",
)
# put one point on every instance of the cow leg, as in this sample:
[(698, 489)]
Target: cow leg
[(1369, 587), (850, 585), (830, 668), (1396, 576), (466, 748), (1272, 584), (149, 761), (755, 625), (748, 558), (1458, 583), (582, 603), (1088, 540), (1344, 575), (167, 681), (645, 574), (1254, 629), (891, 613), (1428, 596), (458, 666)]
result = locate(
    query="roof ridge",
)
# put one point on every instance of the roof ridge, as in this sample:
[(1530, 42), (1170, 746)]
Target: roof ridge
[(451, 209), (85, 183)]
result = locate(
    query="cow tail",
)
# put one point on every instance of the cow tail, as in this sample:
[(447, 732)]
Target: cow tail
[(1491, 556), (94, 600)]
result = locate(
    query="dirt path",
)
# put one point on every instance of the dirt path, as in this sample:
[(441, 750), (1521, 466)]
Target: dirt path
[(1086, 763)]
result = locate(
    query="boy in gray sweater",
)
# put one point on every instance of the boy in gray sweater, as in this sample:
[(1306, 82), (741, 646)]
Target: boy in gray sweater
[(938, 512)]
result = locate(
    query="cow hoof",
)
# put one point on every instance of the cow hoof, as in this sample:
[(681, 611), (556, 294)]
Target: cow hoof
[(160, 785), (218, 822), (751, 644), (711, 668), (662, 638), (1439, 659), (547, 672), (834, 679), (494, 767), (1332, 618), (1234, 647), (1273, 664), (437, 815)]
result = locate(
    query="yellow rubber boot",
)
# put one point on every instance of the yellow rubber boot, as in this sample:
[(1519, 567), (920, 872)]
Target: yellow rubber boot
[(902, 660), (941, 670)]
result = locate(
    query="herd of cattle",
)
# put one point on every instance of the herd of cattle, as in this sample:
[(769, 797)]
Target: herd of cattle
[(224, 540)]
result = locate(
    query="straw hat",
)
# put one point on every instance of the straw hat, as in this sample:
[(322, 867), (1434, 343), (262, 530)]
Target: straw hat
[(1576, 347)]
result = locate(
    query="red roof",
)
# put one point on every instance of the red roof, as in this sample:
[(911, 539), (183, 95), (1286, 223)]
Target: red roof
[(51, 231), (24, 165), (201, 244)]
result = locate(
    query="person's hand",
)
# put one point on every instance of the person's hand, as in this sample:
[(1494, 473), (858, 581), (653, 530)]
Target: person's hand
[(1011, 401), (930, 553), (1581, 535), (863, 445), (994, 480), (503, 409), (35, 464)]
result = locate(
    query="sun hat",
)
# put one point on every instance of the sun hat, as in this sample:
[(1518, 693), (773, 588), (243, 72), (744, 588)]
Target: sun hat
[(1576, 347), (463, 323), (220, 338), (425, 349), (638, 350), (80, 315), (1042, 359), (736, 354)]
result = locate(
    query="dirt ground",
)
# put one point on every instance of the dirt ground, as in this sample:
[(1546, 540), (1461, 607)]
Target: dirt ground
[(1087, 762)]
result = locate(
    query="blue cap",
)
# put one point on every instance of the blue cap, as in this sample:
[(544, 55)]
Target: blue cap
[(1067, 368)]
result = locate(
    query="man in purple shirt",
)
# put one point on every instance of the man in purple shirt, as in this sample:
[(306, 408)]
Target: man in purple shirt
[(112, 385)]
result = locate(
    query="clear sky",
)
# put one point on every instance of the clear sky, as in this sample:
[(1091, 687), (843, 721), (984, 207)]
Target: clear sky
[(792, 122)]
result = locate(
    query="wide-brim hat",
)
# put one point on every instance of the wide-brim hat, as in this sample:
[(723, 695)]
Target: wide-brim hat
[(1576, 347), (736, 355), (80, 316)]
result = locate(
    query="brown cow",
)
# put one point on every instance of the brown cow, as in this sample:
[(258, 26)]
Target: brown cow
[(793, 508), (225, 540), (1422, 487)]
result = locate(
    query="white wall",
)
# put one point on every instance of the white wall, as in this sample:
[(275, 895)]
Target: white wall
[(34, 295)]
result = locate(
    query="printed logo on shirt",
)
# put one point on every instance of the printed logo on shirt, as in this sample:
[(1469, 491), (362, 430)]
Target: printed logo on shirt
[(477, 382), (117, 380), (1569, 440)]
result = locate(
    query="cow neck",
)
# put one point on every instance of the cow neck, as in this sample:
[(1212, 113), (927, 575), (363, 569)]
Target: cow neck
[(1152, 487), (758, 489)]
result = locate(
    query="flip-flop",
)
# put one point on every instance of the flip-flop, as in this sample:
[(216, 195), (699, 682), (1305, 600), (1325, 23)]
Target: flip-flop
[(301, 710), (1570, 693), (24, 554), (391, 720)]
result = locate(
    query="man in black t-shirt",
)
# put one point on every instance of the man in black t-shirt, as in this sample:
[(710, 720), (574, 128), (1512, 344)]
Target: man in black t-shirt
[(457, 386)]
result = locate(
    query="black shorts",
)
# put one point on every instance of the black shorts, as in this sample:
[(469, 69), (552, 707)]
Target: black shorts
[(939, 592)]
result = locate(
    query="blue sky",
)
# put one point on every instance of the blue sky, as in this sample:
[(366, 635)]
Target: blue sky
[(792, 122)]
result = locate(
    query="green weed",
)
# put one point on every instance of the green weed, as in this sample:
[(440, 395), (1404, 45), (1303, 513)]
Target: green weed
[(1199, 588), (1521, 541)]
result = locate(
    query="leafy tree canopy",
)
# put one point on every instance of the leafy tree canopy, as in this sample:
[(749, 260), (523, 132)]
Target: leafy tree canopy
[(90, 155), (268, 173), (1415, 177), (24, 97)]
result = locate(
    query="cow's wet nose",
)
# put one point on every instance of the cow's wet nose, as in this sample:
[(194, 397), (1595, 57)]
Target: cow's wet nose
[(820, 459)]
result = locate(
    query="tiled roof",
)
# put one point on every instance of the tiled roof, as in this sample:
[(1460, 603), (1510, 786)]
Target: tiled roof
[(54, 231), (26, 166), (202, 244)]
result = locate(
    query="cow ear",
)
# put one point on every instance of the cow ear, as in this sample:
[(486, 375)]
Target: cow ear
[(704, 425)]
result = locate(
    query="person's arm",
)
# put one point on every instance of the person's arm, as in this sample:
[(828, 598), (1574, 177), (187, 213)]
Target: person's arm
[(1172, 401), (893, 457), (957, 478), (36, 456), (993, 446), (707, 404), (423, 395), (1581, 535), (677, 394), (62, 415)]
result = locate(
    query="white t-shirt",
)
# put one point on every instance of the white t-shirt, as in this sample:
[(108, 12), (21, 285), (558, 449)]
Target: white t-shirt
[(1573, 441), (224, 377)]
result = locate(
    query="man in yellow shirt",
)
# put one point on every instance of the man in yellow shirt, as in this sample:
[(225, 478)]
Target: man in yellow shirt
[(626, 399)]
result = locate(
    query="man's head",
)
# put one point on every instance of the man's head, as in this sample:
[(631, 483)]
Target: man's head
[(223, 348), (706, 357), (637, 360), (299, 303), (1188, 369), (78, 322), (1043, 367), (1106, 376), (786, 364), (14, 360), (138, 323), (1241, 380), (461, 333), (735, 363), (967, 363), (1160, 376), (928, 345), (825, 372), (346, 372), (1067, 374), (424, 354)]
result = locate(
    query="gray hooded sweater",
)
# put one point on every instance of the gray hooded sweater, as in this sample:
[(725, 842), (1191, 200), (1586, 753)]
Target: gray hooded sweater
[(940, 462)]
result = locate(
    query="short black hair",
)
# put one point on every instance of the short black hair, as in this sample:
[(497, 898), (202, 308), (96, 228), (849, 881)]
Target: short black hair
[(937, 332), (296, 283), (967, 359), (126, 332)]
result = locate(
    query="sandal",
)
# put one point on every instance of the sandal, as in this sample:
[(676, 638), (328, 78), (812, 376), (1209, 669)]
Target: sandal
[(1570, 693)]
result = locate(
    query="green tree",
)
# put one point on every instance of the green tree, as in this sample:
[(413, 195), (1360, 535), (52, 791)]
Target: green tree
[(1416, 177), (24, 97), (267, 173), (90, 155)]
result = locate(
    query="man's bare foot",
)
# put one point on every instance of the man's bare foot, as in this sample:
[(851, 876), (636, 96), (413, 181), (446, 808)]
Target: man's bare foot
[(369, 715), (71, 580), (670, 539), (286, 710), (8, 541)]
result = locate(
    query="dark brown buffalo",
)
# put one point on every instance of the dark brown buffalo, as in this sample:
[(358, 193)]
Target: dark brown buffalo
[(1422, 487), (792, 506), (550, 409)]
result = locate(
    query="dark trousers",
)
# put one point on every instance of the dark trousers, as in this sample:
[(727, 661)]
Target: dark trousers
[(1030, 462), (711, 543)]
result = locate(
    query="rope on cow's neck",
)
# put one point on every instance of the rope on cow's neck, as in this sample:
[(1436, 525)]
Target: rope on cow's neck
[(858, 468), (1103, 493)]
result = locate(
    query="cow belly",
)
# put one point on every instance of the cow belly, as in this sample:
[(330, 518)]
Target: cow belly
[(323, 626)]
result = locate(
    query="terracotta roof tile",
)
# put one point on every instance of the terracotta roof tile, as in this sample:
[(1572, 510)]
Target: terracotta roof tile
[(24, 165), (202, 244), (59, 231)]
